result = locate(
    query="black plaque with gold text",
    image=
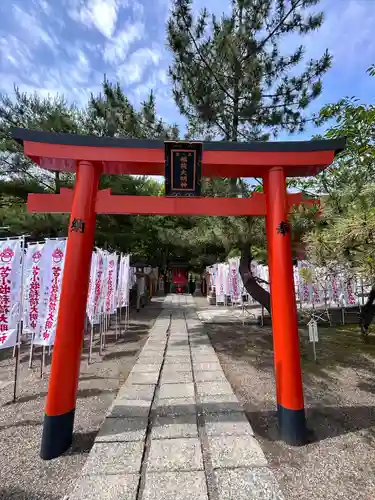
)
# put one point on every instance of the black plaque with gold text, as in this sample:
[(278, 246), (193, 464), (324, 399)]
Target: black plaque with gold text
[(183, 168)]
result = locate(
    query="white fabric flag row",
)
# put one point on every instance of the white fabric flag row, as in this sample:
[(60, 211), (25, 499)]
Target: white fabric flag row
[(110, 280), (314, 286)]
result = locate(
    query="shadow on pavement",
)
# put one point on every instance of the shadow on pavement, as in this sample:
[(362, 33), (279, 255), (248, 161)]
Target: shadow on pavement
[(325, 422)]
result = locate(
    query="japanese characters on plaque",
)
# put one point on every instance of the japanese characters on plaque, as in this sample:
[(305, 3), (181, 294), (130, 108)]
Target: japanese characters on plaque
[(183, 168)]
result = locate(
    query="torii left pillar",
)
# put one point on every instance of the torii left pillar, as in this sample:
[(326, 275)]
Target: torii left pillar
[(61, 399)]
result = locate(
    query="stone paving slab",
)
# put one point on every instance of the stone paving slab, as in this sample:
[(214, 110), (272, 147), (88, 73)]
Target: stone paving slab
[(175, 427), (179, 367), (220, 404), (143, 368), (173, 360), (235, 451), (176, 406), (122, 430), (175, 486), (174, 377), (177, 343), (178, 390), (209, 367), (106, 487), (148, 378), (180, 454), (234, 423), (204, 358), (256, 483), (114, 458), (129, 408), (214, 376), (133, 391), (150, 359), (154, 349), (214, 388)]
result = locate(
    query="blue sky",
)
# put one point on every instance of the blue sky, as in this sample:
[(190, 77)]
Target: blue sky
[(65, 47)]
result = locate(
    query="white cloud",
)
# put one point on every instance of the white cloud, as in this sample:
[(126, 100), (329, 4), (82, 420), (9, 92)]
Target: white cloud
[(44, 6), (31, 30), (138, 9), (117, 49), (102, 14), (355, 24), (15, 52), (141, 61)]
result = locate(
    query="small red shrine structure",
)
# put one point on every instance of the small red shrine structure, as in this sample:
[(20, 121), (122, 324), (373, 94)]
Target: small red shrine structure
[(90, 157), (179, 277)]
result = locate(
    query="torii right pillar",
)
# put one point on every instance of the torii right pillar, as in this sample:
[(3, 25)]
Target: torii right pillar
[(289, 390)]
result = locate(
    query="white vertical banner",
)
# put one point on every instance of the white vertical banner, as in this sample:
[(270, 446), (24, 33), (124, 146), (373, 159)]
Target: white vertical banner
[(265, 276), (103, 293), (125, 283), (220, 284), (317, 287), (91, 291), (52, 267), (114, 284), (335, 290), (120, 273), (109, 283), (350, 292), (99, 281), (235, 287), (10, 291), (34, 282), (304, 282)]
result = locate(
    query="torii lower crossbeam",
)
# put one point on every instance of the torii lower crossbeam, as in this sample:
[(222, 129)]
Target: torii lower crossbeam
[(107, 203)]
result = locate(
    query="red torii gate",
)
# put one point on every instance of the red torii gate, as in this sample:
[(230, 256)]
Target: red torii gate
[(90, 157)]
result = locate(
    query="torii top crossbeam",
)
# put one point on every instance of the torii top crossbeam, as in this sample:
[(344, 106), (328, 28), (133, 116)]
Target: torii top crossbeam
[(55, 151)]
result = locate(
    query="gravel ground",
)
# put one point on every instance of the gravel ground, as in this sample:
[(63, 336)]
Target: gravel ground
[(23, 475), (340, 402)]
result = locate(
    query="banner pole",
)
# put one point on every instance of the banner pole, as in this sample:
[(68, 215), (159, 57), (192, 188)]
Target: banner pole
[(19, 326), (31, 350), (43, 360), (100, 335), (91, 342)]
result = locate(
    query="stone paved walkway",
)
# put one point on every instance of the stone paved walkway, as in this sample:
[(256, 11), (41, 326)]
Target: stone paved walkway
[(176, 430)]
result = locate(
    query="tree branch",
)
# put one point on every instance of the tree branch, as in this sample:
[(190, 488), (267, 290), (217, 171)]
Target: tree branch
[(208, 67), (26, 172), (273, 32)]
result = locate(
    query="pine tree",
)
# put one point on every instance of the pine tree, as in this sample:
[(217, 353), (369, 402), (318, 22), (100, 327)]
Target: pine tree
[(231, 77), (111, 114)]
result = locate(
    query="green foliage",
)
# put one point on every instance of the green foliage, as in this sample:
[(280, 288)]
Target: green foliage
[(345, 231)]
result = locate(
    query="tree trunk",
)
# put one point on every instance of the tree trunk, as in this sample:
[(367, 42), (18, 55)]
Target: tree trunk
[(368, 312), (257, 292), (57, 182)]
